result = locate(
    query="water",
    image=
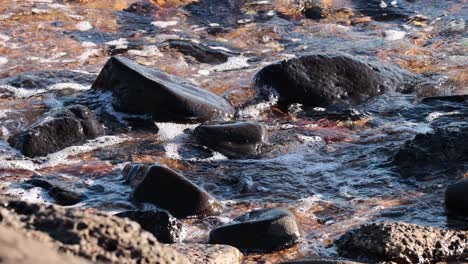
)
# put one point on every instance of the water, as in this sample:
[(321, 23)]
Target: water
[(334, 175)]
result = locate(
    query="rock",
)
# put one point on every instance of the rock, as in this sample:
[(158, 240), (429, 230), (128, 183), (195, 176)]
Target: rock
[(403, 243), (223, 12), (209, 254), (143, 8), (456, 198), (57, 130), (140, 90), (452, 98), (442, 148), (135, 173), (383, 10), (322, 80), (65, 197), (161, 224), (41, 183), (17, 248), (320, 261), (45, 79), (173, 192), (264, 230), (315, 13), (92, 235), (235, 139), (200, 52)]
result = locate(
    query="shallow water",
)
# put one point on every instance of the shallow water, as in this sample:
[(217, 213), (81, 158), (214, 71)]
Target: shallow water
[(334, 175)]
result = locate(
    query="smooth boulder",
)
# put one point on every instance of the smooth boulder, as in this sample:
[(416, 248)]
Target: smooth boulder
[(264, 230), (171, 191), (57, 130), (138, 89), (456, 198), (233, 139), (403, 243), (161, 224), (321, 80)]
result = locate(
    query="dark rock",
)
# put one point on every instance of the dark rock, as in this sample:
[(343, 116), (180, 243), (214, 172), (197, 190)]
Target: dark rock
[(44, 79), (456, 198), (93, 235), (323, 80), (142, 7), (452, 98), (57, 130), (314, 13), (403, 243), (320, 261), (233, 139), (222, 12), (443, 148), (161, 224), (140, 90), (173, 192), (200, 52), (41, 183), (65, 197), (263, 230), (403, 10)]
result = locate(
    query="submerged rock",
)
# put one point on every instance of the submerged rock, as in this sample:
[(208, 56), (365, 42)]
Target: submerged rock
[(233, 139), (173, 192), (57, 130), (444, 148), (322, 80), (263, 230), (200, 52), (456, 198), (92, 235), (161, 224), (141, 90), (403, 243), (209, 254)]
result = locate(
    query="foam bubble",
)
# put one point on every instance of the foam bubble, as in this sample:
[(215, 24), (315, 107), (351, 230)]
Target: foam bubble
[(233, 63)]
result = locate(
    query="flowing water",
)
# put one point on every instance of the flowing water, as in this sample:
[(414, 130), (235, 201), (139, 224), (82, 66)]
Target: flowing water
[(334, 175)]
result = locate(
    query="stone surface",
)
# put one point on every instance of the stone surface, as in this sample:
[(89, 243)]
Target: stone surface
[(320, 261), (320, 80), (44, 79), (141, 90), (209, 254), (456, 198), (161, 224), (173, 192), (200, 52), (264, 230), (65, 197), (90, 234), (233, 139), (403, 243), (57, 130)]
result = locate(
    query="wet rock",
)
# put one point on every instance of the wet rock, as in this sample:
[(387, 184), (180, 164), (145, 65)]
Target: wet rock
[(223, 12), (45, 79), (323, 80), (143, 8), (403, 243), (315, 13), (57, 130), (384, 10), (264, 230), (320, 261), (135, 173), (209, 254), (452, 98), (65, 197), (173, 192), (347, 114), (233, 139), (92, 235), (456, 198), (200, 52), (140, 90), (161, 224), (41, 183), (441, 148)]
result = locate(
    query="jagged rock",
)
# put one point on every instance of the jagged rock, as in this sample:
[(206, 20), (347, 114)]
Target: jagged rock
[(57, 130), (233, 139), (161, 224), (264, 230), (209, 254), (403, 243), (320, 80), (171, 191), (138, 89), (456, 198)]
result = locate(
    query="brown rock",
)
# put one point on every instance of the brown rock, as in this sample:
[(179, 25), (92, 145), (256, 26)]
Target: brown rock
[(210, 254)]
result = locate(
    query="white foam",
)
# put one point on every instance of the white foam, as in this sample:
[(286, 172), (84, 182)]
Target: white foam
[(21, 93), (73, 86), (233, 63), (434, 115), (147, 51), (83, 26), (164, 24), (253, 111), (3, 60), (394, 34)]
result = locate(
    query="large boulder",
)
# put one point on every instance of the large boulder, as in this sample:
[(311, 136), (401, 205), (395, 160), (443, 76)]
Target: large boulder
[(209, 254), (320, 80), (57, 130), (233, 139), (169, 190), (87, 233), (264, 230), (138, 89), (161, 224), (403, 243), (456, 198)]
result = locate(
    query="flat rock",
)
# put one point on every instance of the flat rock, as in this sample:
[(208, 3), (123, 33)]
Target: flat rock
[(171, 191), (403, 243), (235, 139), (209, 254), (264, 230), (320, 80), (456, 198), (138, 89), (57, 130), (161, 224)]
